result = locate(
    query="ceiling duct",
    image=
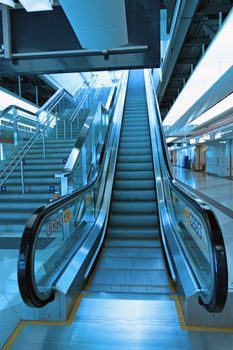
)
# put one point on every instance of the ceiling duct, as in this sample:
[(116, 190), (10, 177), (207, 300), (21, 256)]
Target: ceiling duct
[(98, 25), (8, 2)]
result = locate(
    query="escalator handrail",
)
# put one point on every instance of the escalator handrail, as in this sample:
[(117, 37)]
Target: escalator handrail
[(26, 278), (219, 269)]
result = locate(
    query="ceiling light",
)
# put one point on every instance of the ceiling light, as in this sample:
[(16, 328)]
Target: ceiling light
[(214, 64), (215, 111), (40, 5)]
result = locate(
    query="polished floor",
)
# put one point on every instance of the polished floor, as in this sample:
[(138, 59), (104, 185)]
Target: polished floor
[(218, 193), (122, 323), (119, 325)]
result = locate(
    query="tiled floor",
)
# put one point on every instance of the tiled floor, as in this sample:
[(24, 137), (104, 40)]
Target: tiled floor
[(220, 190)]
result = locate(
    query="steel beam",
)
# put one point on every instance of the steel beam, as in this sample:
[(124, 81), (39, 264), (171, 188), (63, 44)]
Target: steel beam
[(186, 13), (6, 29)]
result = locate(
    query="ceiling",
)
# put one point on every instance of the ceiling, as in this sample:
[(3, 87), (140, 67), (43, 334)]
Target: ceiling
[(203, 27), (51, 51)]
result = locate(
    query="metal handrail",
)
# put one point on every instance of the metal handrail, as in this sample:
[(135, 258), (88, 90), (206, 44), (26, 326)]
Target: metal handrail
[(85, 131), (4, 111), (218, 297), (18, 159)]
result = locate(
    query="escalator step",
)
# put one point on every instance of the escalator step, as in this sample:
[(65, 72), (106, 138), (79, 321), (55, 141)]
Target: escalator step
[(134, 152), (134, 166), (133, 243), (135, 232), (136, 195), (134, 159), (134, 175), (134, 185), (133, 221), (133, 207)]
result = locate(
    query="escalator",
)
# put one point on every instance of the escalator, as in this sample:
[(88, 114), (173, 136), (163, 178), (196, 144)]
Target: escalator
[(127, 236), (132, 258)]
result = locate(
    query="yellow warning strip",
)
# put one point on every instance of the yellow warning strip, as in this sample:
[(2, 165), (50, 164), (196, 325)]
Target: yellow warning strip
[(13, 336), (22, 324), (184, 327)]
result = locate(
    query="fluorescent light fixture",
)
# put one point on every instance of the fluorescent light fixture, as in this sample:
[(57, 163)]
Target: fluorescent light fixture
[(216, 110), (8, 2), (170, 139), (206, 137), (216, 61), (226, 132), (218, 135), (192, 141), (7, 99), (201, 140), (38, 5)]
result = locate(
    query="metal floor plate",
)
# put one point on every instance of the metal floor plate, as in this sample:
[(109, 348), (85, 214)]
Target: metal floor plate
[(121, 324)]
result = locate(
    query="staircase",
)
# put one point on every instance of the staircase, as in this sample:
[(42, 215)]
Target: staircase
[(40, 183)]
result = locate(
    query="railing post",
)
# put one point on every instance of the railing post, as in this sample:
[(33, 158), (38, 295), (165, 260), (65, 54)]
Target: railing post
[(37, 122), (84, 165), (22, 176), (78, 121), (93, 145), (43, 143), (64, 126), (56, 128), (16, 134), (71, 130), (64, 185)]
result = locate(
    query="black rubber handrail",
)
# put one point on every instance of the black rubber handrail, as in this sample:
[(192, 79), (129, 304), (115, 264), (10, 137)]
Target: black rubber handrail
[(26, 277), (218, 297)]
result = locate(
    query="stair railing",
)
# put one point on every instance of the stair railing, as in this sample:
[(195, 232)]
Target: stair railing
[(61, 105), (17, 120)]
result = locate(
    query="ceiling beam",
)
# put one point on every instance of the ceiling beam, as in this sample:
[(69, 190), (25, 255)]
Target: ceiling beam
[(196, 41), (185, 16), (213, 8)]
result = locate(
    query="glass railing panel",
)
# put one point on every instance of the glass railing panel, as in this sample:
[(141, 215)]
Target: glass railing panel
[(60, 236), (192, 233), (193, 225)]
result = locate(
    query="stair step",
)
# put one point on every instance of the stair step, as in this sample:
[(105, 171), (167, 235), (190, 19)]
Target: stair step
[(15, 215), (49, 155), (20, 197), (32, 188), (33, 181)]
